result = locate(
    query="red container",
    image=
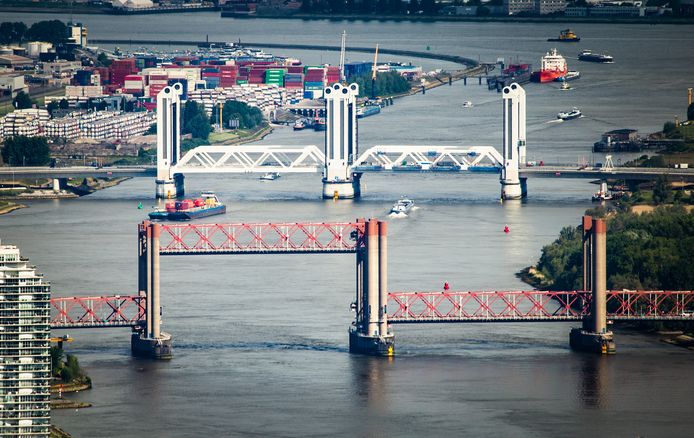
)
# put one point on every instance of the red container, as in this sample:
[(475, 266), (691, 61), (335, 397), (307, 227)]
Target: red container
[(170, 207), (199, 202)]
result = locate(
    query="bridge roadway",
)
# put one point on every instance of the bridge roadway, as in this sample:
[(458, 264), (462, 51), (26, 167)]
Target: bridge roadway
[(622, 173), (78, 172)]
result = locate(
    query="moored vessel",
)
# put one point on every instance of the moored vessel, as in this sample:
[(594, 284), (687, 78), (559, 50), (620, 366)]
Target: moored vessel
[(553, 65), (569, 76), (207, 205), (368, 110), (270, 176)]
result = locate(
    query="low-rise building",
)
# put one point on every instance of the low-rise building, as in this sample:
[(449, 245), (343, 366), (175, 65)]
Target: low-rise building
[(11, 84), (544, 7)]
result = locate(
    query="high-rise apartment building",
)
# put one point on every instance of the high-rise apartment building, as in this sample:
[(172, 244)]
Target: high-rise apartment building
[(25, 363)]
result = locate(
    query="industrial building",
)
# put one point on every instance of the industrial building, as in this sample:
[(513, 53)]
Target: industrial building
[(25, 361)]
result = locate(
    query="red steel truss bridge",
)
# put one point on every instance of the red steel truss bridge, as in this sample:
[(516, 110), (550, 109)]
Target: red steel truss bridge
[(427, 307)]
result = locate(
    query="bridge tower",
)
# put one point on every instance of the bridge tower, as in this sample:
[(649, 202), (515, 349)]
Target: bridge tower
[(341, 142), (150, 341), (371, 333), (594, 336), (512, 186), (169, 185)]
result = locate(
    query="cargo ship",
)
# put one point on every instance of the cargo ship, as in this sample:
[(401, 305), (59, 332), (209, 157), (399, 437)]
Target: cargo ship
[(553, 66), (207, 205), (589, 56), (566, 36), (368, 110)]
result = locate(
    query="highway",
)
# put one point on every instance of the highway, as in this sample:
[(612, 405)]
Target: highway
[(77, 172), (628, 173)]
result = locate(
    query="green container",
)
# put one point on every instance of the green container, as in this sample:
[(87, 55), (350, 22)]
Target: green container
[(241, 81)]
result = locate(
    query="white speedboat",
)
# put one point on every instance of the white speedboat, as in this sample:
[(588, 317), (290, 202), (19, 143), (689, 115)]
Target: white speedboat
[(467, 104), (403, 206), (270, 176), (569, 115)]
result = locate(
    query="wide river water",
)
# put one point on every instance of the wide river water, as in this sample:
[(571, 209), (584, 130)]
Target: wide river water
[(261, 341)]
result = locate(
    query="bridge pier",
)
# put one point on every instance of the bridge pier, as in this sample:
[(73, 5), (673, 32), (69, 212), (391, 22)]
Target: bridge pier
[(341, 142), (168, 183), (150, 341), (370, 333), (594, 336)]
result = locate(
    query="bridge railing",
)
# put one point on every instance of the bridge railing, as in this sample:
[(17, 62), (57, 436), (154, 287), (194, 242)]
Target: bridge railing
[(334, 237), (107, 311)]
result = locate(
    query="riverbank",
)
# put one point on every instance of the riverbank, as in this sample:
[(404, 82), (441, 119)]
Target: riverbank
[(9, 207)]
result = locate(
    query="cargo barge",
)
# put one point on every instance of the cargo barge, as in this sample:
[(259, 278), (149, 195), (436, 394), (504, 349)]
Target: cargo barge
[(207, 205)]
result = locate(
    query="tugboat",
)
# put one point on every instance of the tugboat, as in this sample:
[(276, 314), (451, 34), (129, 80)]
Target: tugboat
[(467, 104), (566, 36), (299, 125), (403, 206), (569, 115), (319, 125), (589, 56), (207, 205)]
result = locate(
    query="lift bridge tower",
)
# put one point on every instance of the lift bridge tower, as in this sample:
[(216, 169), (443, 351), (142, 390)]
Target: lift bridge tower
[(341, 142), (513, 144)]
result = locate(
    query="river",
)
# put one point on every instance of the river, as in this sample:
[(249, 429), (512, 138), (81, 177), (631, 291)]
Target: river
[(260, 342)]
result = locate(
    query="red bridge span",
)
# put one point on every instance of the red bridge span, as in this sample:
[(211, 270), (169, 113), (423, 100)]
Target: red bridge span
[(376, 308)]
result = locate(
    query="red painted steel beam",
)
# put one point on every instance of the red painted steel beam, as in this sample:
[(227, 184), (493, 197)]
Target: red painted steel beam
[(109, 311), (498, 306), (288, 238)]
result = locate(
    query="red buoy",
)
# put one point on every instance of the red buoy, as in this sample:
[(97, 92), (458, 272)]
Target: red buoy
[(446, 286), (506, 229)]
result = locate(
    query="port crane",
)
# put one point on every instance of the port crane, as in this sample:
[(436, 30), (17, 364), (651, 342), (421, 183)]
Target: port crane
[(342, 56), (373, 74)]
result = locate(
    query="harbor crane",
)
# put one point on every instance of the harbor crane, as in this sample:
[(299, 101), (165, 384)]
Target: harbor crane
[(373, 74), (342, 56)]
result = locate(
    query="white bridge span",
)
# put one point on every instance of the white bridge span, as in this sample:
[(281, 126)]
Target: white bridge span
[(340, 160)]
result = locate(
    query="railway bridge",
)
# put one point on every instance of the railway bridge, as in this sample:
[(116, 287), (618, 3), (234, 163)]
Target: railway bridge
[(376, 308)]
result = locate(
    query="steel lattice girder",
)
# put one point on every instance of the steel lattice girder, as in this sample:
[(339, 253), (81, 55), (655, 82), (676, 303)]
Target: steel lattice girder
[(338, 237), (107, 311), (251, 159)]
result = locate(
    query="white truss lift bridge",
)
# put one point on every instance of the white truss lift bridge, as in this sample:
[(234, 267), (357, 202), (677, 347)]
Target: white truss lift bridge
[(341, 161)]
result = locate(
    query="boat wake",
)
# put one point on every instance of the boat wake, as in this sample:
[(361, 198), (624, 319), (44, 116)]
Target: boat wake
[(553, 121), (397, 215)]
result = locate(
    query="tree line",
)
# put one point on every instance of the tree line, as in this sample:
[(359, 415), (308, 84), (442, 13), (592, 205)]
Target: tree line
[(197, 123), (51, 31), (648, 251), (386, 84)]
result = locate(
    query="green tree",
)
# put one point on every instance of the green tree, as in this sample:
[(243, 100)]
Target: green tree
[(690, 111), (103, 60), (52, 31), (56, 360), (22, 101), (249, 116), (12, 32), (52, 106), (64, 104), (191, 110), (661, 190), (26, 151), (669, 129), (199, 127)]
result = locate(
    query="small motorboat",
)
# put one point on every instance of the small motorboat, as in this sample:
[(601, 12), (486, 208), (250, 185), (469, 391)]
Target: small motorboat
[(402, 206), (299, 125), (467, 104), (569, 76), (569, 115), (270, 176), (565, 86)]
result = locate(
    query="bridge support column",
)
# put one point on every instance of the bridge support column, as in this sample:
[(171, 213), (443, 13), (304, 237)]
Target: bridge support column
[(594, 336), (512, 186), (168, 183), (150, 341), (341, 142), (372, 336)]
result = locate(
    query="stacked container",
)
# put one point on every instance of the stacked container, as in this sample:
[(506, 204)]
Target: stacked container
[(294, 80), (157, 83), (274, 76), (120, 68), (134, 84), (227, 76), (333, 75)]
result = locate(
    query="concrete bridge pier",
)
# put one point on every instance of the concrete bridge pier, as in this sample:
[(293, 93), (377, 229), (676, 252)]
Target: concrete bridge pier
[(168, 183), (370, 333), (150, 341), (341, 142), (594, 336)]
